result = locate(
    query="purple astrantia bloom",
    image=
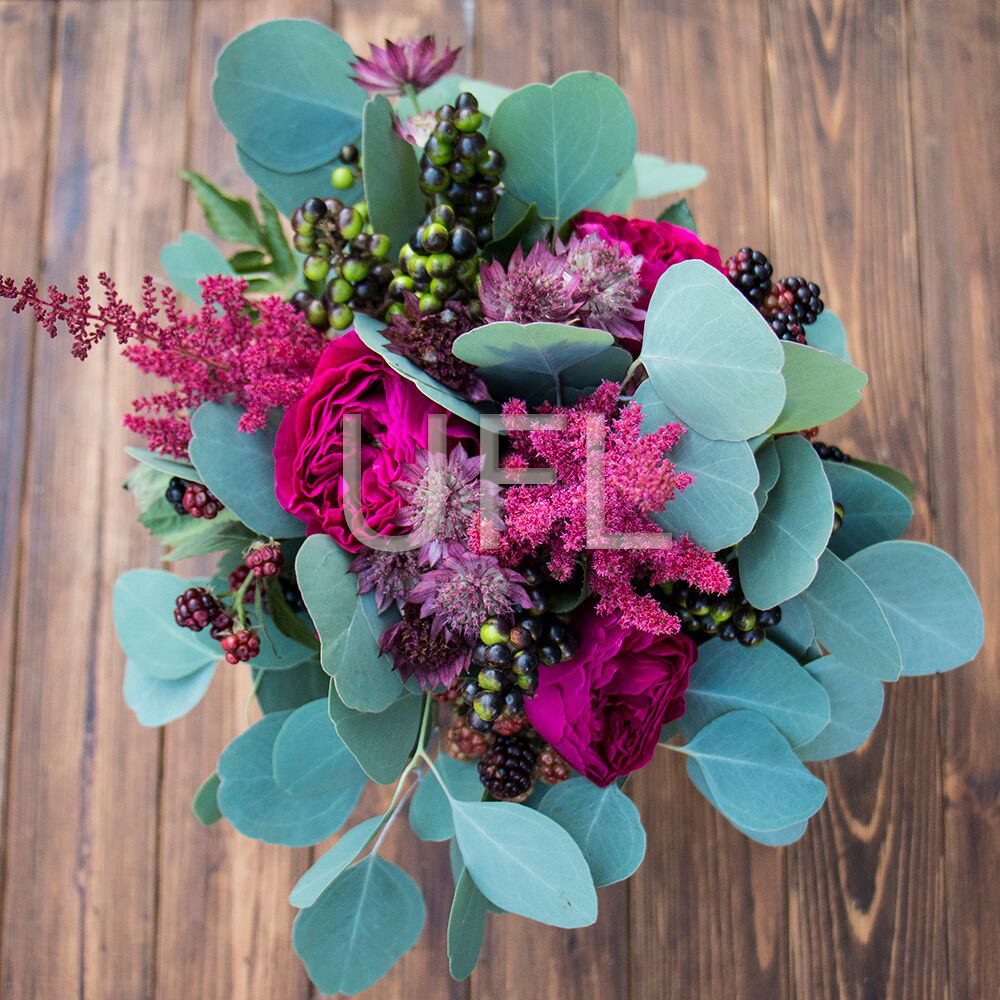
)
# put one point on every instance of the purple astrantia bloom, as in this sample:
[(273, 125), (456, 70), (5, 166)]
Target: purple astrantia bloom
[(412, 63), (392, 575), (534, 288), (440, 498), (416, 129), (417, 651), (466, 589), (608, 287)]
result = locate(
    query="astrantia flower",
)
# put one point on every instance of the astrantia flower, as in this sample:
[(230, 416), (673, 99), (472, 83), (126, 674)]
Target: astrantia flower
[(608, 288), (416, 129), (426, 339), (411, 62), (533, 289), (440, 498), (392, 575), (418, 651), (464, 591)]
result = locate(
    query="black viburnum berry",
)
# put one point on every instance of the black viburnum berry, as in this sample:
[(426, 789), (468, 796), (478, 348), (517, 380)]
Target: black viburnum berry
[(175, 494), (750, 271), (507, 770), (199, 502)]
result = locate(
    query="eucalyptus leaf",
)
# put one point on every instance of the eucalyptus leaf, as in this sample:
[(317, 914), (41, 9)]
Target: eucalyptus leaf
[(779, 558), (280, 690), (381, 742), (189, 259), (828, 334), (619, 200), (283, 89), (258, 808), (566, 143), (310, 758), (331, 864), (611, 365), (795, 632), (277, 650), (430, 813), (360, 926), (849, 622), (718, 508), (515, 225), (892, 476), (819, 387), (755, 779), (656, 176), (768, 470), (466, 924), (288, 191), (928, 600), (189, 536), (231, 219), (710, 356), (392, 189), (874, 511), (764, 679), (156, 702), (525, 863), (239, 468), (206, 803), (604, 823), (165, 464), (678, 214), (855, 707)]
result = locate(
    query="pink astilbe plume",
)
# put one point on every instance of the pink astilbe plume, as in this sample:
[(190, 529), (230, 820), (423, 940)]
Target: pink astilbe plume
[(260, 354), (639, 480)]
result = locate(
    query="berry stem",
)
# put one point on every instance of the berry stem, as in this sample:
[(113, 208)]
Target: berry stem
[(238, 600)]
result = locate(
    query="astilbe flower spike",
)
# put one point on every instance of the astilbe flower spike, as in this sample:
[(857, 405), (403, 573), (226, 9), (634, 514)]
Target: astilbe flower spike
[(409, 64), (639, 480)]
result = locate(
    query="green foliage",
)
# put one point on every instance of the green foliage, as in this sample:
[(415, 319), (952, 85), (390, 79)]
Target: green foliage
[(828, 334), (189, 259), (566, 143), (928, 601), (855, 706), (310, 758), (711, 357), (795, 632), (206, 803), (430, 813), (164, 463), (768, 470), (678, 214), (283, 90), (239, 469), (328, 867), (525, 863), (531, 361), (466, 924), (603, 822), (515, 224), (819, 387), (764, 679), (718, 508), (395, 201), (779, 558), (849, 622), (289, 190), (381, 742), (155, 701), (874, 511), (281, 690), (368, 329), (259, 808), (229, 217), (360, 926), (892, 476)]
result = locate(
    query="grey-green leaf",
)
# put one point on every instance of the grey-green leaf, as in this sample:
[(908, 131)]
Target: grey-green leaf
[(874, 511), (525, 863), (795, 632), (332, 863), (381, 742), (310, 758), (768, 470), (929, 603), (710, 355), (288, 191), (361, 925), (656, 176), (605, 824), (430, 813), (206, 803), (231, 219), (164, 463), (679, 214), (828, 334), (189, 259), (466, 924), (157, 702), (892, 476)]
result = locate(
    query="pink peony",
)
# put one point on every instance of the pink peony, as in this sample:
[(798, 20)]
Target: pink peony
[(660, 244), (308, 451), (603, 710)]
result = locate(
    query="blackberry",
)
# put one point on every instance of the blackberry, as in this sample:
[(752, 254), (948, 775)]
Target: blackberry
[(830, 452), (175, 494), (196, 608), (265, 560), (552, 768), (750, 271), (240, 646), (806, 303), (462, 742), (510, 725), (787, 327), (236, 579), (198, 501), (507, 769)]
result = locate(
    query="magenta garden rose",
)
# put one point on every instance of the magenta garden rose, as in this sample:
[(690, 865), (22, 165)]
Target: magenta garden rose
[(603, 710), (308, 450)]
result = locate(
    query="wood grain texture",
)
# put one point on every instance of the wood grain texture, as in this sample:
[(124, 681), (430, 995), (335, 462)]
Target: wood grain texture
[(955, 111), (722, 924)]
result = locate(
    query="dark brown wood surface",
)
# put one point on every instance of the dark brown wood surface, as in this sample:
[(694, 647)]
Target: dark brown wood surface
[(859, 143)]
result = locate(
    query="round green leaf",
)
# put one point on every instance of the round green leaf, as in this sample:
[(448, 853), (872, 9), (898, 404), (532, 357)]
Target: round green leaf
[(239, 468), (656, 176), (819, 387), (795, 633), (849, 622), (565, 143), (157, 702), (310, 758), (254, 804), (718, 508), (284, 91), (205, 803), (755, 779), (779, 558), (280, 690), (430, 813), (165, 464), (710, 355), (855, 707), (605, 824), (927, 598), (768, 469), (360, 927), (828, 334), (525, 863), (189, 259), (332, 863), (874, 511), (381, 742), (764, 679), (892, 476)]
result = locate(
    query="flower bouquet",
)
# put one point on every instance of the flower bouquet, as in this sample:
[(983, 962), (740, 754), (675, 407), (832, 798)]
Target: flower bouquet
[(505, 491)]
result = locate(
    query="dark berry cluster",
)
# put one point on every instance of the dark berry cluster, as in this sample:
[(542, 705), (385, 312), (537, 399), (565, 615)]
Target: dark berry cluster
[(199, 501), (291, 593), (750, 271), (197, 608), (240, 646), (830, 452), (265, 559), (174, 494), (236, 581), (345, 253), (507, 769)]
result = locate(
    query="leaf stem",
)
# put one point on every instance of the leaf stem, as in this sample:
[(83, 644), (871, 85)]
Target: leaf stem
[(412, 94), (396, 807)]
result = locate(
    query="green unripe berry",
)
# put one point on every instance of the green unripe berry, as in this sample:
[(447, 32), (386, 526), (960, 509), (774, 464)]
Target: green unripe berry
[(400, 285), (745, 618), (487, 705), (495, 630), (442, 288), (439, 152), (304, 244), (433, 179), (316, 267), (350, 223), (312, 210), (355, 270), (434, 238), (492, 163), (342, 178), (341, 317), (416, 267), (396, 309), (316, 313), (468, 119), (439, 265), (362, 207), (430, 303), (405, 253), (445, 215), (340, 290), (462, 170), (379, 246), (722, 609), (491, 679)]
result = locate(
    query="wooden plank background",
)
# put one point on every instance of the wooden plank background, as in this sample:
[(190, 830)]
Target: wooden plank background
[(857, 141)]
